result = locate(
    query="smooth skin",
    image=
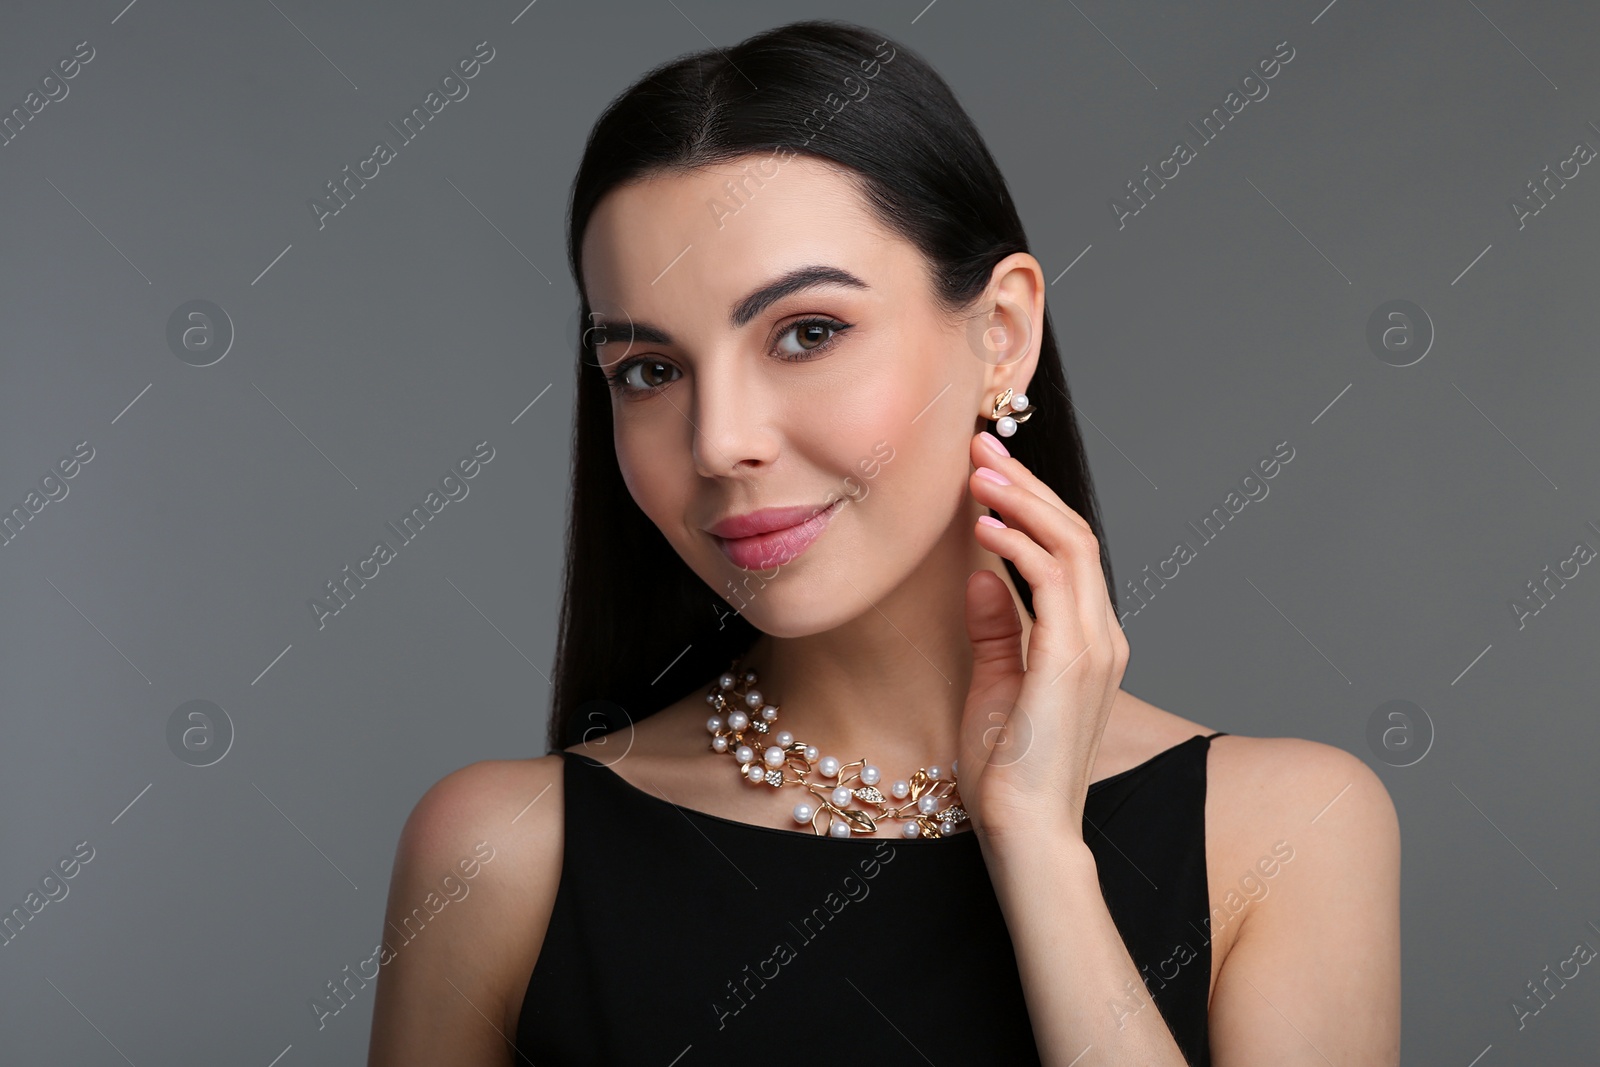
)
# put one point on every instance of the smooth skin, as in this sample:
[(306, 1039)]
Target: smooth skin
[(903, 606)]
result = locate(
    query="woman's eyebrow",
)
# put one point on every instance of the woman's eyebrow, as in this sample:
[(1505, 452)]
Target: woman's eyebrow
[(795, 281), (745, 309)]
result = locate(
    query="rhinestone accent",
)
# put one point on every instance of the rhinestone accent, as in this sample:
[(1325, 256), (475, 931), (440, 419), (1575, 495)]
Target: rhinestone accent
[(806, 774)]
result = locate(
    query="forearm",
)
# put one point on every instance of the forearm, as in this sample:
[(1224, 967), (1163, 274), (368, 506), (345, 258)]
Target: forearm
[(1081, 987)]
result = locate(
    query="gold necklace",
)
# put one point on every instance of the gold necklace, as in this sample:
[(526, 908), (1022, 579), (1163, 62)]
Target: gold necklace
[(740, 708)]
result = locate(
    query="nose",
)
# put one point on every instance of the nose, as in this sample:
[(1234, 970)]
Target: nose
[(733, 423)]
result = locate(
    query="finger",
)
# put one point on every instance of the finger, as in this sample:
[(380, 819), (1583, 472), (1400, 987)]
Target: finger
[(987, 451), (1058, 634), (995, 630), (1022, 508), (1072, 545), (1031, 482)]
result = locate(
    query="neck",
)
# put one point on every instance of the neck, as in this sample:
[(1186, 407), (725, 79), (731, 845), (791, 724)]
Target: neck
[(890, 685)]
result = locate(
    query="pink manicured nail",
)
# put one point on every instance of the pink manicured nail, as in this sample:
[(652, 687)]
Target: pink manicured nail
[(993, 476), (990, 520), (993, 442)]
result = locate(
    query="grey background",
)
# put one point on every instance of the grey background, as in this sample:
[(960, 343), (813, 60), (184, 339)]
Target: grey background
[(1229, 315)]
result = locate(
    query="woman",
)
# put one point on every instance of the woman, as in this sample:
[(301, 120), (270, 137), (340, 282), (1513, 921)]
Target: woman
[(808, 299)]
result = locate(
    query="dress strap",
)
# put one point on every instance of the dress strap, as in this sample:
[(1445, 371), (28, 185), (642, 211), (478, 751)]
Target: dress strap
[(1219, 733)]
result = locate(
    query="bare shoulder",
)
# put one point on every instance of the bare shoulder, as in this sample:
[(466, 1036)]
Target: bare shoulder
[(1303, 851), (474, 881), (1305, 798), (1259, 786)]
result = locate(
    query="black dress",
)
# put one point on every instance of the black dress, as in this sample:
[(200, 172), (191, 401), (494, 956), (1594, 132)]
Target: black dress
[(678, 937)]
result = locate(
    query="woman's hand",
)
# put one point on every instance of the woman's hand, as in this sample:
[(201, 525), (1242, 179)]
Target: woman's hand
[(1029, 737)]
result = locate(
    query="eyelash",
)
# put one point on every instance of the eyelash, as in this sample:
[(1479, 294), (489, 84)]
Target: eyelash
[(617, 379)]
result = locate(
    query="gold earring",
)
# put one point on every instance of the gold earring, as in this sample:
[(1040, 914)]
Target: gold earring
[(1009, 411)]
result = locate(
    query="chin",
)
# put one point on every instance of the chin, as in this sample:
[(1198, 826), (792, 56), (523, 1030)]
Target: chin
[(802, 615), (797, 601)]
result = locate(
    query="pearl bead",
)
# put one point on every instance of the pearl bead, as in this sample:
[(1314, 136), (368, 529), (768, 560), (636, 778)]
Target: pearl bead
[(774, 756), (839, 829), (927, 803), (769, 712), (756, 774), (744, 754), (870, 775), (753, 698), (842, 796), (1019, 401), (812, 751), (737, 721), (935, 773), (749, 677), (719, 744), (802, 812), (713, 724), (1006, 426), (901, 789), (727, 680), (953, 765), (911, 829), (829, 766), (712, 698), (947, 828), (783, 739)]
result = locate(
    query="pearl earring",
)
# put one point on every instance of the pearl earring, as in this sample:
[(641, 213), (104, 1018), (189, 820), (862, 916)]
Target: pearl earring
[(1010, 411)]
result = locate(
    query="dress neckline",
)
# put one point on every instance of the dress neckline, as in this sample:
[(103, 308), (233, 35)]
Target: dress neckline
[(695, 813)]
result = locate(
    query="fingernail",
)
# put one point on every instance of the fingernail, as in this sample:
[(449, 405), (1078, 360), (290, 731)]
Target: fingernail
[(993, 442), (990, 520), (993, 476)]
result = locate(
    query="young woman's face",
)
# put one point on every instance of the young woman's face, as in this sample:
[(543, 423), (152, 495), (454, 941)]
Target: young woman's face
[(848, 398)]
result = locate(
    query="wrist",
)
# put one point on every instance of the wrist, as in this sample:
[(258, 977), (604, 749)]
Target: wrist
[(1029, 843)]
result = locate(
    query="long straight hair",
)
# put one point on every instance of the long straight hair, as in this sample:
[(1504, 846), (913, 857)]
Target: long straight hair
[(638, 627)]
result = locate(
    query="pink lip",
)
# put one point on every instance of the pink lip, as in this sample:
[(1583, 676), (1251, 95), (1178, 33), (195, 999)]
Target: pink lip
[(771, 536)]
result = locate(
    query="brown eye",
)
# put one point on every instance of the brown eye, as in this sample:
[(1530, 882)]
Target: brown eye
[(652, 373), (813, 336), (650, 376)]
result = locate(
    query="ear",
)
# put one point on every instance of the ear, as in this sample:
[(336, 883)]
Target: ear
[(1008, 327)]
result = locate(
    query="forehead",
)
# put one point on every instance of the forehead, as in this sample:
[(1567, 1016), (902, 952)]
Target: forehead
[(685, 247)]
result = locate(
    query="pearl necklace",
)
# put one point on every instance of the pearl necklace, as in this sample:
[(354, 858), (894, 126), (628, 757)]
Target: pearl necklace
[(921, 793)]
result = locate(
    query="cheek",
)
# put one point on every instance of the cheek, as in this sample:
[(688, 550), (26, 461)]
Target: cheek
[(652, 476), (906, 475)]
